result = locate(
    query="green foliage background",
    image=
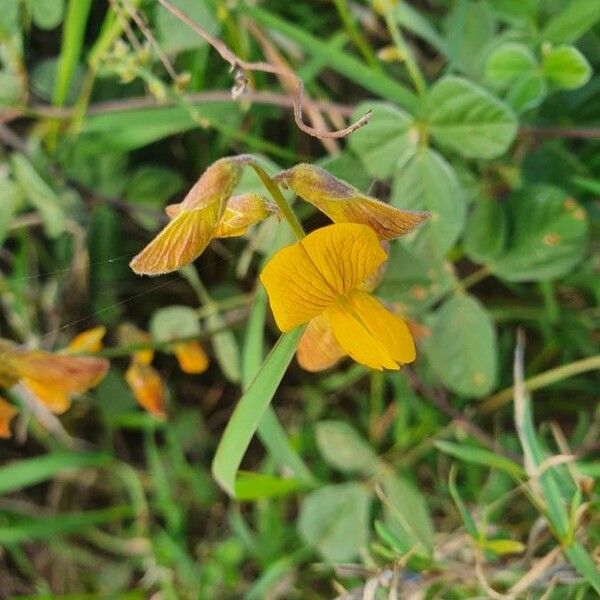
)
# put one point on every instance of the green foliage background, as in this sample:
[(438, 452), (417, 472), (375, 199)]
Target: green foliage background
[(431, 480)]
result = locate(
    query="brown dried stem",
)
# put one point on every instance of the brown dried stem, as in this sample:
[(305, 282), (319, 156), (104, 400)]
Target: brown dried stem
[(238, 66)]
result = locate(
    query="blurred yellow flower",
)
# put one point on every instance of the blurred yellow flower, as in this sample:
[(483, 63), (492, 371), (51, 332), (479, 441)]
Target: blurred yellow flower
[(147, 387), (321, 278), (7, 413), (89, 340), (52, 378), (191, 357)]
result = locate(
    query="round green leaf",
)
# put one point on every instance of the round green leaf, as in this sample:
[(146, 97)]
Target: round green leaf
[(427, 182), (390, 135), (462, 346), (485, 233), (344, 449), (174, 322), (527, 92), (335, 521), (547, 235), (468, 119), (566, 67), (509, 62), (46, 14)]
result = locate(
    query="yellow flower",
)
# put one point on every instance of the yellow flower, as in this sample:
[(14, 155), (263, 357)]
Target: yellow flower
[(194, 220), (7, 413), (191, 356), (147, 387), (52, 378), (343, 203), (89, 340), (321, 277)]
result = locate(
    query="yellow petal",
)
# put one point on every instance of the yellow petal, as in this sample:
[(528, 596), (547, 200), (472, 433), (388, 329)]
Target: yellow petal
[(69, 374), (191, 357), (180, 242), (369, 333), (58, 401), (7, 413), (303, 279), (129, 335), (343, 203), (318, 348), (89, 340), (217, 183), (147, 387), (240, 214)]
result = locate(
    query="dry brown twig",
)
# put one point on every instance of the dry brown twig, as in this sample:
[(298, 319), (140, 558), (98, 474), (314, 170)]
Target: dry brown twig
[(239, 66)]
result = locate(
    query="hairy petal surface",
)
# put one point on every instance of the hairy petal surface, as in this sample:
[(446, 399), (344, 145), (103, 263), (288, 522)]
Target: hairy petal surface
[(343, 203), (180, 242), (318, 349), (303, 279), (369, 333)]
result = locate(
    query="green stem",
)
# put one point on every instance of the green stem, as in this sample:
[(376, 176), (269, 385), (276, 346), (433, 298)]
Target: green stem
[(355, 35), (284, 207), (411, 64), (475, 277), (542, 380)]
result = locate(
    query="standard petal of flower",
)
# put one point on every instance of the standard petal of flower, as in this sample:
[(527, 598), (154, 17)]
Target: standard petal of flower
[(217, 183), (180, 242), (343, 203), (89, 340), (240, 214), (191, 357), (7, 413), (318, 348), (369, 333), (58, 401), (69, 374), (302, 280), (147, 387)]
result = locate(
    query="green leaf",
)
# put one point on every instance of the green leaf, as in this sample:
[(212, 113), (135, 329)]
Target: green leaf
[(427, 182), (335, 521), (389, 137), (547, 235), (225, 347), (415, 280), (509, 62), (566, 67), (471, 27), (485, 233), (411, 19), (175, 36), (9, 201), (406, 513), (503, 547), (462, 346), (468, 119), (344, 449), (578, 17), (30, 471), (250, 409), (173, 322), (465, 515), (579, 557), (40, 195), (527, 92), (22, 529), (46, 14), (481, 456), (253, 486), (515, 11)]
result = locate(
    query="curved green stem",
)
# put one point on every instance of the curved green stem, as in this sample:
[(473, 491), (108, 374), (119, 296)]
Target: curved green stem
[(284, 207)]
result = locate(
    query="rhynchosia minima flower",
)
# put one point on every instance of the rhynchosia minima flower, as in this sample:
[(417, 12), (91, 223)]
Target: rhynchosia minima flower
[(208, 211), (52, 378), (320, 281)]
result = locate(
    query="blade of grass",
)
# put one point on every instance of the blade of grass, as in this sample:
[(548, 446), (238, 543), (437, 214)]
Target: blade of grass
[(22, 529), (30, 471), (462, 508), (247, 415), (270, 431), (345, 64)]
